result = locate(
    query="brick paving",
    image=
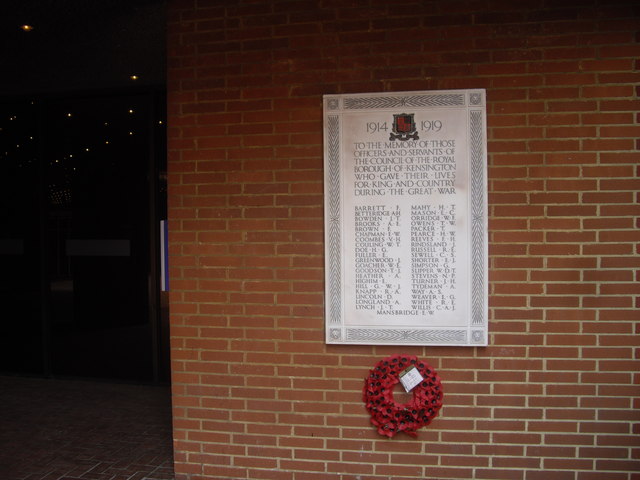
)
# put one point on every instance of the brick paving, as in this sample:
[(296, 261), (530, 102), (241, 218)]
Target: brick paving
[(77, 430)]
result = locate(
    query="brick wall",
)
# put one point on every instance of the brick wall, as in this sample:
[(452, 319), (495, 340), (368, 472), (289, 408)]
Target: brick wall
[(257, 393)]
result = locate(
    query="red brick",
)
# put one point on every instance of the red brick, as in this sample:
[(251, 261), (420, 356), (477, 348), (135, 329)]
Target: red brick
[(246, 208)]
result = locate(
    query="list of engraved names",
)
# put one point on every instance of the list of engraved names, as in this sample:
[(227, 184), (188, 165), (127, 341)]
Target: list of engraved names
[(405, 251)]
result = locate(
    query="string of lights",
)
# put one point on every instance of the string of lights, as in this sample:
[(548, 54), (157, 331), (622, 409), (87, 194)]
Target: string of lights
[(75, 135)]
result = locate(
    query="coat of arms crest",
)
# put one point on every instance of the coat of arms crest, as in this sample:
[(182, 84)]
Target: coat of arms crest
[(404, 127)]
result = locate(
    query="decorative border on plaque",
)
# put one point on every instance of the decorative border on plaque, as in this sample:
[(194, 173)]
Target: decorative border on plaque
[(478, 223), (475, 98), (406, 336), (434, 100), (333, 103), (335, 333), (334, 234), (477, 336)]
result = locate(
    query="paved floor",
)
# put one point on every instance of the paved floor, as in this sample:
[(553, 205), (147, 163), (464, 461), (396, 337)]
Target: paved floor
[(71, 430)]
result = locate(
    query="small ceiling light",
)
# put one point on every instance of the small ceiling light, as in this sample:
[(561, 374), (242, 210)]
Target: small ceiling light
[(68, 114), (131, 110), (26, 27), (133, 77)]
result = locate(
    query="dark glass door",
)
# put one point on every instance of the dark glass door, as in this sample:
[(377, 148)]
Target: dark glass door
[(21, 299), (83, 241)]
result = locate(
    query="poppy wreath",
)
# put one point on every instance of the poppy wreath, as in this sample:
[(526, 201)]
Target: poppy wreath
[(391, 417)]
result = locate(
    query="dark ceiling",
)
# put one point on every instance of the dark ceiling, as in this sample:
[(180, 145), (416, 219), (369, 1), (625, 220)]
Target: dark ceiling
[(81, 45)]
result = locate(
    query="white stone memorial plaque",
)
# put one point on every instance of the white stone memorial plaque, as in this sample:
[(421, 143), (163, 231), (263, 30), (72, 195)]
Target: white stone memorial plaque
[(406, 218)]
